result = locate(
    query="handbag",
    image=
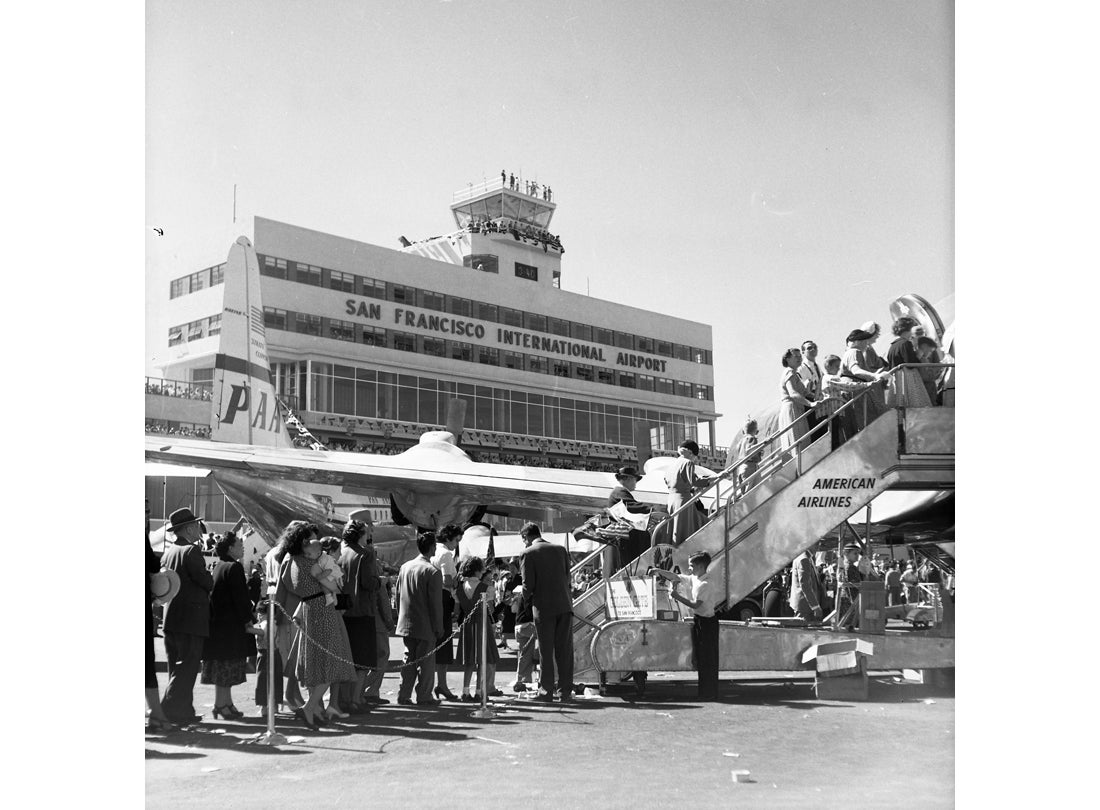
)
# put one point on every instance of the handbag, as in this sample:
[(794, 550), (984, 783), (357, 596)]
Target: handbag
[(343, 601)]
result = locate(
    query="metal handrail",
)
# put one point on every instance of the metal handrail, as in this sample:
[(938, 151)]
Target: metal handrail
[(780, 451)]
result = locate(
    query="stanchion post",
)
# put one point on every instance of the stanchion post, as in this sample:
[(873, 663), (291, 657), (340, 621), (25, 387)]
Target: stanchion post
[(485, 713), (271, 737)]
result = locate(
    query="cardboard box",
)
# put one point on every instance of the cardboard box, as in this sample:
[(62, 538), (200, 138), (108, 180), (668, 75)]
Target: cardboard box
[(841, 668), (845, 687)]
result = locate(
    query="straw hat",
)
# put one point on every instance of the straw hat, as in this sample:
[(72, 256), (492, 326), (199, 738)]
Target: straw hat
[(164, 585)]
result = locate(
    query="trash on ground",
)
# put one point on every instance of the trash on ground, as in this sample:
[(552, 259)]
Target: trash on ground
[(740, 776), (729, 754), (210, 769), (664, 714)]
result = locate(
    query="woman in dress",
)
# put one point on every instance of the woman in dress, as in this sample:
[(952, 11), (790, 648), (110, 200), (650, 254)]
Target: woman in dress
[(320, 653), (793, 401), (857, 364), (224, 651), (444, 560), (681, 481), (906, 388), (475, 580)]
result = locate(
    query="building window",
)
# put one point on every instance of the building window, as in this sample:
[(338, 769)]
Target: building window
[(558, 327), (217, 274), (646, 382), (627, 380), (198, 280), (460, 350), (276, 268), (341, 330), (560, 368), (604, 336), (374, 289), (404, 342), (583, 372), (175, 335), (431, 300), (194, 329), (511, 317), (403, 295), (624, 340), (605, 375), (307, 324), (459, 306), (436, 347), (214, 325), (580, 331), (308, 274), (341, 281), (664, 348), (175, 289), (488, 356), (527, 271), (681, 352), (557, 279), (540, 365), (644, 344), (683, 389), (664, 386), (373, 336), (274, 318), (535, 322), (512, 360), (485, 262), (486, 312)]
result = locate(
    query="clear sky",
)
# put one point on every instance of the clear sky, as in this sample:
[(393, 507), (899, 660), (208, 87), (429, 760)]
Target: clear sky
[(780, 170)]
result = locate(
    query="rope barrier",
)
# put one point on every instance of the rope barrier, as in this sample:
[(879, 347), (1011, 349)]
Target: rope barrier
[(425, 657)]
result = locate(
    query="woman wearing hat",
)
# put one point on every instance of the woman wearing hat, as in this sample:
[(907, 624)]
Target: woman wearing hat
[(793, 401), (229, 643), (860, 364), (637, 541), (681, 481), (320, 653), (906, 385)]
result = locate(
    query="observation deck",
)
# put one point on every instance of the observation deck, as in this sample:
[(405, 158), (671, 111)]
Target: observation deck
[(520, 201)]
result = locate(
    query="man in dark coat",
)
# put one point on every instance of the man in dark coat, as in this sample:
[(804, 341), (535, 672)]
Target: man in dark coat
[(420, 621), (186, 617), (545, 571)]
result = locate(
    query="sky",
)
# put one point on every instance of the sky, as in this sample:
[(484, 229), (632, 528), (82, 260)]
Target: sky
[(779, 170)]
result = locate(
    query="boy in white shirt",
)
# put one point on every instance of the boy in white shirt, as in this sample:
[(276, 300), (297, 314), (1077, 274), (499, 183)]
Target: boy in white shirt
[(704, 631)]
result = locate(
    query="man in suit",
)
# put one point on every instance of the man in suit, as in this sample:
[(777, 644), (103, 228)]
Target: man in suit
[(420, 621), (186, 617), (805, 598), (545, 571), (810, 372)]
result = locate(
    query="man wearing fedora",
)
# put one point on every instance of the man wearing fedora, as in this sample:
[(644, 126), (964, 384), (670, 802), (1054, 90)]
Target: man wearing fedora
[(186, 617)]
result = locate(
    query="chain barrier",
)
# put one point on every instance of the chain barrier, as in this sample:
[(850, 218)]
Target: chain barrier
[(425, 657)]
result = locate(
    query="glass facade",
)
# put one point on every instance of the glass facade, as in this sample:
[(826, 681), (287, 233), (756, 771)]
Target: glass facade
[(363, 392)]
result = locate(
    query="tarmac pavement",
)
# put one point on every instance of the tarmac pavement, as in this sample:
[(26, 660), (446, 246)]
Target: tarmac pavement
[(663, 749)]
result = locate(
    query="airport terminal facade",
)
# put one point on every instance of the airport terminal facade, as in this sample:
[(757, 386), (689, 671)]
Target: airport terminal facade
[(369, 343)]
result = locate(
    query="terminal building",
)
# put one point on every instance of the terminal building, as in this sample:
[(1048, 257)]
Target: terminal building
[(368, 344)]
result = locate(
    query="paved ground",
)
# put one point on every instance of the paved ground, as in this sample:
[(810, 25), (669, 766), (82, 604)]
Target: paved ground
[(897, 750)]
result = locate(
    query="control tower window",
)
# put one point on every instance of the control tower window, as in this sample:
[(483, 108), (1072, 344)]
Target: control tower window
[(485, 262), (527, 271), (557, 279)]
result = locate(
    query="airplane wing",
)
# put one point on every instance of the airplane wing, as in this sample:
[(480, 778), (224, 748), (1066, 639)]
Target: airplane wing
[(432, 483)]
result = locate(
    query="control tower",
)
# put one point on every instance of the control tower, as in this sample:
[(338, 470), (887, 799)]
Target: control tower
[(503, 228)]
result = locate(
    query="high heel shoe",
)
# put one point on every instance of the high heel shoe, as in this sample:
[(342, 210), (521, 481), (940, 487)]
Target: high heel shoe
[(227, 712), (468, 698), (309, 719), (444, 694)]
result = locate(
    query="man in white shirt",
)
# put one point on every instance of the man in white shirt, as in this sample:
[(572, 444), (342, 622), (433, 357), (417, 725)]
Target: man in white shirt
[(810, 373), (704, 632)]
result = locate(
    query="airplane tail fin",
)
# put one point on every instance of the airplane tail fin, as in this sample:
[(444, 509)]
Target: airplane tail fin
[(245, 407)]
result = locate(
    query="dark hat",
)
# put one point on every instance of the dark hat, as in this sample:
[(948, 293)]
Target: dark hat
[(691, 445), (858, 334), (180, 518), (625, 472)]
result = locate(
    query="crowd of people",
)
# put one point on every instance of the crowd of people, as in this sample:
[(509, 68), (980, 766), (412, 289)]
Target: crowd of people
[(529, 187), (178, 429), (183, 390), (334, 618), (517, 230)]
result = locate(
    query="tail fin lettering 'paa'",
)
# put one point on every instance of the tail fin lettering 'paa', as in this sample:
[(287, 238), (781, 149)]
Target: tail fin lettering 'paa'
[(245, 408)]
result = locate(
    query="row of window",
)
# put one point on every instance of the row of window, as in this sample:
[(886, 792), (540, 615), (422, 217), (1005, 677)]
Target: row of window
[(427, 299), (195, 330), (350, 332), (368, 393)]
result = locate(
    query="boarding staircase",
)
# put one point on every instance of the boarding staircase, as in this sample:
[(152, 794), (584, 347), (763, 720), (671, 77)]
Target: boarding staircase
[(802, 491)]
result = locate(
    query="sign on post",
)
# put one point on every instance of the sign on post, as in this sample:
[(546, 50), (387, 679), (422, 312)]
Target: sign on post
[(632, 598)]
